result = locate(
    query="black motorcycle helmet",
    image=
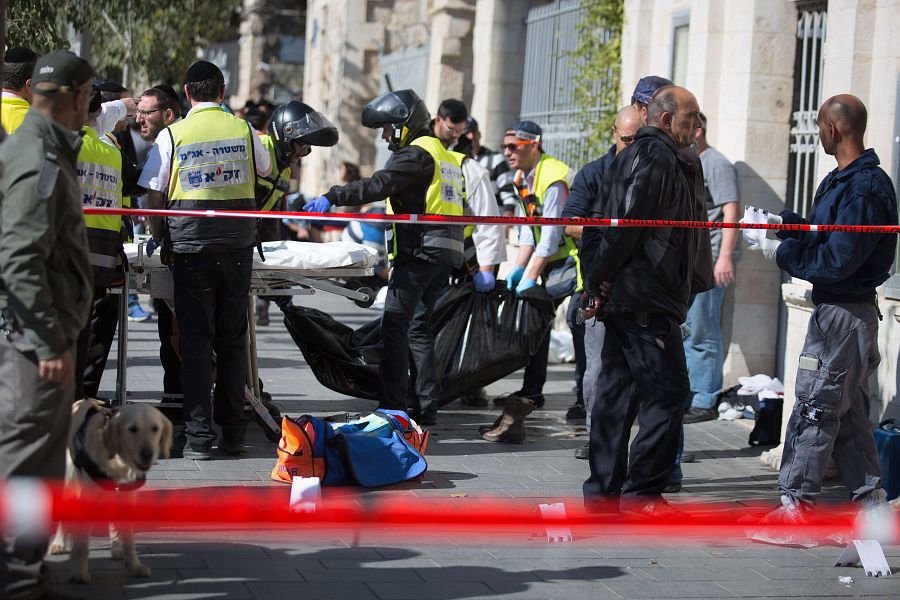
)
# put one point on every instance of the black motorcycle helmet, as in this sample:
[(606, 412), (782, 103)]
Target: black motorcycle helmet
[(404, 111), (296, 121)]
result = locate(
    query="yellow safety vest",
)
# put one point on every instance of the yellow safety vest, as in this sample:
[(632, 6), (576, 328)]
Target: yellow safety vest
[(284, 175), (212, 167), (444, 196), (12, 111), (547, 172), (99, 172)]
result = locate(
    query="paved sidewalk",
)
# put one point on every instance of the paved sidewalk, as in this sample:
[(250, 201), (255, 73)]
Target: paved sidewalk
[(353, 565)]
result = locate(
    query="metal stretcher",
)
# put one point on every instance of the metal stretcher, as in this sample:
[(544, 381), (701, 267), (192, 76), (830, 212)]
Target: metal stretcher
[(279, 275)]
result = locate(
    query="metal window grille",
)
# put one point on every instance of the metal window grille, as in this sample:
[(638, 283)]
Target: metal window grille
[(808, 68), (407, 70), (548, 86)]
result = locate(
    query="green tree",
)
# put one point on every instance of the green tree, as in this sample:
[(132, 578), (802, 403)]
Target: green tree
[(143, 41), (597, 60)]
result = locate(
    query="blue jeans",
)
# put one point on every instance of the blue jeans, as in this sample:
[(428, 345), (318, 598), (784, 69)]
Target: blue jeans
[(703, 347)]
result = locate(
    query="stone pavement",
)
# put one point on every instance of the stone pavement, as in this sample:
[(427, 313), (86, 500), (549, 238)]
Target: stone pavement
[(413, 565)]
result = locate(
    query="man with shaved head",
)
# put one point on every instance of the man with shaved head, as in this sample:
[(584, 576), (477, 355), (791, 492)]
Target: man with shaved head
[(642, 280), (587, 333), (840, 353)]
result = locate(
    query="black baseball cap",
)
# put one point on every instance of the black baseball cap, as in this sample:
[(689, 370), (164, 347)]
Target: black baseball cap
[(646, 87), (526, 130), (60, 72)]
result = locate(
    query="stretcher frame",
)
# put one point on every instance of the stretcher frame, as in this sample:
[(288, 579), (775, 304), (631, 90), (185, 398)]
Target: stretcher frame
[(156, 280)]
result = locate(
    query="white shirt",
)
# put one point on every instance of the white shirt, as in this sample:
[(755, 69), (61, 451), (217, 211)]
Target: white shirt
[(490, 244), (155, 175)]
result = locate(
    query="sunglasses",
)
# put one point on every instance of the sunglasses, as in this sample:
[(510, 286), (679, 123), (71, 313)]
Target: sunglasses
[(515, 145), (626, 139)]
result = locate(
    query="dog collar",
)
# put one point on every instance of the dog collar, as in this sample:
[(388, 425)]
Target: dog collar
[(84, 462)]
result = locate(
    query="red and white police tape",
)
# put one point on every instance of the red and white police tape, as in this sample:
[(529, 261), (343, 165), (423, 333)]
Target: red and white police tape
[(477, 220), (35, 506)]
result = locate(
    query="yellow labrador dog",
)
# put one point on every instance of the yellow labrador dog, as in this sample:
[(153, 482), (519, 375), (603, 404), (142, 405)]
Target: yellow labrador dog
[(111, 449)]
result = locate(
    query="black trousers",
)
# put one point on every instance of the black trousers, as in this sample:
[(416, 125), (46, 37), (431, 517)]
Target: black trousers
[(211, 291), (577, 330), (414, 288), (167, 356), (95, 342), (645, 376)]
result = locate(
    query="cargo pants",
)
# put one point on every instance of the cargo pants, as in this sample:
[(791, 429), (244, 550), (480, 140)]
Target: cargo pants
[(831, 414)]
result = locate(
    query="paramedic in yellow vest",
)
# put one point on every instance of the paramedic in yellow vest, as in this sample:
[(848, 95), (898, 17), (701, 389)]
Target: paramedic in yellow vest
[(104, 178), (543, 189), (208, 160), (421, 177), (18, 65), (293, 129)]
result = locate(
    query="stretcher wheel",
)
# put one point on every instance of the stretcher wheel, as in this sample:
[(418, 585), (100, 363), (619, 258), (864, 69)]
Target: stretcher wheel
[(370, 297), (272, 436)]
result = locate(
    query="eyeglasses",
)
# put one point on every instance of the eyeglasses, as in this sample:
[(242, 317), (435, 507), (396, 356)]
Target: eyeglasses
[(453, 130), (626, 139), (146, 113), (515, 145)]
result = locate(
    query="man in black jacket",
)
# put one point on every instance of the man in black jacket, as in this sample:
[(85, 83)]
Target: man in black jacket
[(421, 177), (644, 278)]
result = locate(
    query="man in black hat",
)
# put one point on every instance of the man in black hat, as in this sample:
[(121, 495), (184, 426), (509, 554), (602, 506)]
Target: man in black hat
[(18, 65), (206, 161), (45, 296)]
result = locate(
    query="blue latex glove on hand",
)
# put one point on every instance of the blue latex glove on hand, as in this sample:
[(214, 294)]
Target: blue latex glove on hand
[(151, 247), (513, 277), (525, 284), (484, 281), (319, 205)]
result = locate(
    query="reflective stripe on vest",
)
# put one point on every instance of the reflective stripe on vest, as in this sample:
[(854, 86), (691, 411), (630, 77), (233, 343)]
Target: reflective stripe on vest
[(212, 161), (99, 172), (547, 172), (443, 197)]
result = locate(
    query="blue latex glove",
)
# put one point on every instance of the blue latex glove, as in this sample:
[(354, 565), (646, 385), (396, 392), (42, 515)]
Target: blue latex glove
[(513, 277), (484, 281), (525, 284), (151, 247), (319, 205)]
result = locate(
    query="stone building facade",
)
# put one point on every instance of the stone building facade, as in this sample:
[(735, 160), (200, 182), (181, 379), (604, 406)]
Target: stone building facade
[(759, 69)]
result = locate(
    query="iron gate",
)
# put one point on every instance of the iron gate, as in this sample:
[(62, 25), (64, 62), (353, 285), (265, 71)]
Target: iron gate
[(809, 64), (407, 70)]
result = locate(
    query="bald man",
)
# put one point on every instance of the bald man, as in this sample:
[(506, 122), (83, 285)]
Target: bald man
[(830, 417), (582, 202), (644, 279)]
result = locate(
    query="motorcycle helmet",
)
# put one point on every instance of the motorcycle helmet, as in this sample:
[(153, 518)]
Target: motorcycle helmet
[(296, 121), (403, 111)]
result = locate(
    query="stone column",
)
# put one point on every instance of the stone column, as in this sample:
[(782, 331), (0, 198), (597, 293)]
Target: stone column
[(252, 41), (450, 63), (498, 65)]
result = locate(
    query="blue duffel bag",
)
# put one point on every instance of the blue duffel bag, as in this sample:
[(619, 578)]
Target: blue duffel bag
[(887, 442)]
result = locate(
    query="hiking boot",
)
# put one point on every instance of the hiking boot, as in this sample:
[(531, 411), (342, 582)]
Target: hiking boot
[(478, 398), (511, 428), (494, 425), (576, 412), (537, 399), (699, 415), (583, 452)]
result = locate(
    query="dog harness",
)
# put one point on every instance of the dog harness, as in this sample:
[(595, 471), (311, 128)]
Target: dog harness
[(84, 462)]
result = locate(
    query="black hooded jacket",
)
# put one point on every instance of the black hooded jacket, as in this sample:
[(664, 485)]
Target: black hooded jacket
[(653, 270)]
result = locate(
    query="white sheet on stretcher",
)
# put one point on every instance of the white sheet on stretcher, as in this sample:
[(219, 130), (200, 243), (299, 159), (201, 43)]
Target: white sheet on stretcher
[(292, 255)]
